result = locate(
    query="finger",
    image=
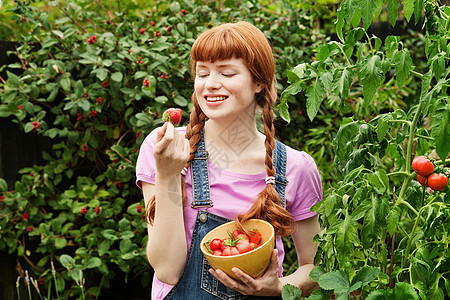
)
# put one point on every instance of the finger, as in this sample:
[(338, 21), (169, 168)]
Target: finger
[(161, 132), (168, 136), (187, 148), (274, 260), (245, 278), (228, 281)]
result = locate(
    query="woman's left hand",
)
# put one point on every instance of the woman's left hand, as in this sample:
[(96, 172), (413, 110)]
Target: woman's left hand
[(267, 285)]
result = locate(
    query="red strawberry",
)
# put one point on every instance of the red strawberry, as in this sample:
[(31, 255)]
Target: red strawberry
[(255, 238), (172, 115)]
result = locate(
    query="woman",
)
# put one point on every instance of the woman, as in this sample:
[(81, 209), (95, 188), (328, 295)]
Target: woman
[(229, 170)]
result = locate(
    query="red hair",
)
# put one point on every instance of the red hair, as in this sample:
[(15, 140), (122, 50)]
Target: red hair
[(245, 41)]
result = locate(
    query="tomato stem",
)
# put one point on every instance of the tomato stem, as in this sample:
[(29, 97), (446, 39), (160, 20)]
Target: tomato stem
[(399, 173)]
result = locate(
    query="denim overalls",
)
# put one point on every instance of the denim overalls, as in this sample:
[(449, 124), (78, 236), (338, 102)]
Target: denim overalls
[(197, 283)]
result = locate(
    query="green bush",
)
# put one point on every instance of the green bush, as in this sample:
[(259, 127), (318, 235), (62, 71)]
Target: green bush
[(95, 82)]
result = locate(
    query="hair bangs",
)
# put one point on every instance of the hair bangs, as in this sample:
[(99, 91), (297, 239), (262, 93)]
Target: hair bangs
[(221, 43)]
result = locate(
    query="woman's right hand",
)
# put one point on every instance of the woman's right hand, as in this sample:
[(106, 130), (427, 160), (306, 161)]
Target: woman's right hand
[(171, 151)]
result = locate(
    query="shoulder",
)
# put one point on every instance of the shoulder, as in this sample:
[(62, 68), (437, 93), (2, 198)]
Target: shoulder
[(296, 159)]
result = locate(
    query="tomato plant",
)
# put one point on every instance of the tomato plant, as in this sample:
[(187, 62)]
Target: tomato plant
[(385, 234)]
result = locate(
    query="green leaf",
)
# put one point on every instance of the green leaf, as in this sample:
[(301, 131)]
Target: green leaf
[(160, 46), (346, 238), (315, 95), (100, 73), (440, 129), (366, 275), (380, 295), (393, 218), (403, 63), (340, 23), (182, 29), (343, 142), (117, 76), (418, 8), (140, 74), (352, 11), (370, 76), (392, 8), (344, 80), (408, 8), (4, 111), (93, 262), (374, 221), (382, 129), (291, 292), (180, 100), (66, 261), (110, 234), (3, 185), (327, 80), (161, 99), (379, 181), (65, 83), (438, 64), (315, 273), (335, 280), (60, 243), (368, 9), (293, 89), (283, 109), (13, 78), (119, 150), (404, 291)]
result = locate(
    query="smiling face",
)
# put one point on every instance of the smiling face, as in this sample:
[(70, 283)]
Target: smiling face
[(225, 89)]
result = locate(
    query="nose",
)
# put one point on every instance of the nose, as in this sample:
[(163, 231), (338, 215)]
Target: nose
[(212, 82)]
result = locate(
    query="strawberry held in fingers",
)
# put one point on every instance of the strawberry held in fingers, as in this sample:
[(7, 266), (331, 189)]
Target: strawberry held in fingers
[(172, 115)]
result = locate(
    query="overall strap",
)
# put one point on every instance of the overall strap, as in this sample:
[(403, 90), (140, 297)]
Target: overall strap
[(200, 178), (279, 161)]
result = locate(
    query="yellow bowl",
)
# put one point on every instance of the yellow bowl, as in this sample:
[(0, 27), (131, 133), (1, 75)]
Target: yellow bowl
[(254, 262)]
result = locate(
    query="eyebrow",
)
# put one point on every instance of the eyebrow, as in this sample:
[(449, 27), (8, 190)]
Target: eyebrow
[(218, 66)]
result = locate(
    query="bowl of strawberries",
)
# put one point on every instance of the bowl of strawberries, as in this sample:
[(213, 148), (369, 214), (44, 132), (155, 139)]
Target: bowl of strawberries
[(225, 247)]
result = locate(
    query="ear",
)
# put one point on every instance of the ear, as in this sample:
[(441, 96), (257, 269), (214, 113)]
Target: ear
[(259, 87)]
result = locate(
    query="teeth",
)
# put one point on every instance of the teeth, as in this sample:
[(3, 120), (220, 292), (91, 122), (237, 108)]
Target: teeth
[(215, 98)]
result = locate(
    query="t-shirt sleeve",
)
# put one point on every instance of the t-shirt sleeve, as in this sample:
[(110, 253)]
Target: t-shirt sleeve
[(145, 166), (306, 185)]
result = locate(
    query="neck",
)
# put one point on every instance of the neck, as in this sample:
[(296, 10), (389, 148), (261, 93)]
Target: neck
[(235, 137)]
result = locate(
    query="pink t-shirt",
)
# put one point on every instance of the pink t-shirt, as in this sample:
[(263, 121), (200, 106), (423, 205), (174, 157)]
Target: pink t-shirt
[(233, 193)]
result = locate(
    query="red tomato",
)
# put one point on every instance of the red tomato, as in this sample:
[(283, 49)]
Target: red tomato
[(239, 235), (216, 244), (224, 244), (255, 238), (229, 251), (437, 181), (422, 180), (243, 246), (422, 166), (242, 236), (236, 233), (217, 252)]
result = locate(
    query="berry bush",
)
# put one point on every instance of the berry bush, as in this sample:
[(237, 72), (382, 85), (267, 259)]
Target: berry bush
[(94, 79)]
